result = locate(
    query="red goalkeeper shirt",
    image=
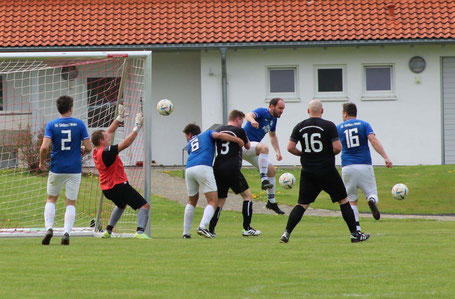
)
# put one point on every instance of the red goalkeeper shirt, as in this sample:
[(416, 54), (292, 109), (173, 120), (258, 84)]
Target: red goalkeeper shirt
[(110, 167)]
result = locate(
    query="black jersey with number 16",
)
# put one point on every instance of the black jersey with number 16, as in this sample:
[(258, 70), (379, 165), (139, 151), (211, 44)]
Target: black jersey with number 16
[(229, 157), (316, 136)]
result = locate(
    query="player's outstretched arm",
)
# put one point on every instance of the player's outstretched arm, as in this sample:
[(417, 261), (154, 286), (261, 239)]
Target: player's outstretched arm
[(379, 149), (130, 138), (292, 148), (275, 145), (228, 137), (336, 145), (251, 117), (44, 149), (121, 114)]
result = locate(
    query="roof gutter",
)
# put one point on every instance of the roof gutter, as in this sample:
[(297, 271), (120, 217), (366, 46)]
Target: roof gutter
[(199, 46)]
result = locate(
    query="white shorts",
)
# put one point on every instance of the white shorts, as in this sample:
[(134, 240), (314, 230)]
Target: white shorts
[(359, 176), (55, 182), (200, 175), (250, 155)]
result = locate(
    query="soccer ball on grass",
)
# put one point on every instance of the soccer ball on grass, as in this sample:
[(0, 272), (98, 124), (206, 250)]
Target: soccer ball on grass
[(287, 180), (399, 191), (165, 107)]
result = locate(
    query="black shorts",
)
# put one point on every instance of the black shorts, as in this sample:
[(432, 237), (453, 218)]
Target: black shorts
[(312, 183), (236, 181), (123, 194)]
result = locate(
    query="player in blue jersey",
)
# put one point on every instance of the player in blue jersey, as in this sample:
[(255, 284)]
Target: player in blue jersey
[(199, 173), (357, 170), (260, 122), (66, 134)]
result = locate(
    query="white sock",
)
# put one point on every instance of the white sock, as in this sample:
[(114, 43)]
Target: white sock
[(263, 161), (208, 214), (187, 219), (70, 215), (355, 209), (271, 191), (49, 215)]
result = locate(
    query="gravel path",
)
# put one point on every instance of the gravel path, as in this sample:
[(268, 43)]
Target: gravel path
[(174, 188)]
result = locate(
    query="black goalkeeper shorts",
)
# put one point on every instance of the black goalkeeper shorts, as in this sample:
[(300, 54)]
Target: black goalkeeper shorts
[(123, 194)]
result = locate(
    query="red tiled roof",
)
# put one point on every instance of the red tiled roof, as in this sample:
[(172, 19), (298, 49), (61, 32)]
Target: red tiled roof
[(56, 23)]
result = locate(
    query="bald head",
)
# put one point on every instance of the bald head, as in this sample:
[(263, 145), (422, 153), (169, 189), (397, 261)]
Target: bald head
[(315, 108)]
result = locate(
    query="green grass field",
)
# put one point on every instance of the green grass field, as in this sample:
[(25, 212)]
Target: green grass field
[(431, 189), (412, 258)]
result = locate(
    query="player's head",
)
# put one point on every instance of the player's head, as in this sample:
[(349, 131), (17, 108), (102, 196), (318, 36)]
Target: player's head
[(276, 107), (100, 138), (64, 104), (315, 108), (349, 111), (191, 130), (236, 118)]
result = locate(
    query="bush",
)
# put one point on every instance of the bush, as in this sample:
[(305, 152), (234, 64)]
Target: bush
[(28, 147)]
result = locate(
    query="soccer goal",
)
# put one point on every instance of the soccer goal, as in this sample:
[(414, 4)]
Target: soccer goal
[(30, 84)]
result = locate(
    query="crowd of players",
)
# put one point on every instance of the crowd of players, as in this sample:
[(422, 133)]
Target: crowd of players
[(320, 141)]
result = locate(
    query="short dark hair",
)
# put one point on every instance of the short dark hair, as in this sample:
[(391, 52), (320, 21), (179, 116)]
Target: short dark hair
[(274, 101), (64, 104), (193, 129), (236, 114), (97, 136), (350, 109)]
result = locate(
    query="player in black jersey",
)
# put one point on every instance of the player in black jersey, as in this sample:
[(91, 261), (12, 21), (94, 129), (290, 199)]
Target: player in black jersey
[(228, 163), (320, 143)]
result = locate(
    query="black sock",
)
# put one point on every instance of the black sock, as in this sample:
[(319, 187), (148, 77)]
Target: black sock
[(109, 228), (294, 217), (357, 223), (348, 216), (214, 220), (247, 211), (140, 229)]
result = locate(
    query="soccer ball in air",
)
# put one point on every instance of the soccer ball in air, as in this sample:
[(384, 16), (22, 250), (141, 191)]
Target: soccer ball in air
[(287, 180), (399, 191), (165, 107)]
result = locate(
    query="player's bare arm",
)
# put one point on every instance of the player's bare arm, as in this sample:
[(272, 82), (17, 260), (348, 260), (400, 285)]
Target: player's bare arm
[(121, 114), (292, 148), (379, 149), (44, 149), (228, 137), (132, 136), (251, 117), (275, 145), (336, 145), (86, 147)]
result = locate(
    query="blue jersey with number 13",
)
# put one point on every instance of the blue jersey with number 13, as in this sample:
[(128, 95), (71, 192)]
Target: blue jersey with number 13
[(201, 149), (353, 135), (66, 134)]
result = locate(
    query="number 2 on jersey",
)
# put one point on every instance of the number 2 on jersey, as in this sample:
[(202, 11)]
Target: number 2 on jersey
[(352, 137), (67, 139)]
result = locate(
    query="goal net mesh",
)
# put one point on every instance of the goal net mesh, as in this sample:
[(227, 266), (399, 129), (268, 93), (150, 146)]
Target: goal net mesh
[(28, 93)]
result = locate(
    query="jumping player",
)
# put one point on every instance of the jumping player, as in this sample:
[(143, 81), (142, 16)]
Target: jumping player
[(320, 143), (66, 135), (357, 170), (228, 163), (199, 172), (113, 179), (260, 122)]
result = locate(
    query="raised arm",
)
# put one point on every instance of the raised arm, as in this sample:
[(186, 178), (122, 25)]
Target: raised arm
[(379, 149), (228, 137), (251, 117), (292, 148), (44, 149), (275, 145), (121, 114), (125, 143)]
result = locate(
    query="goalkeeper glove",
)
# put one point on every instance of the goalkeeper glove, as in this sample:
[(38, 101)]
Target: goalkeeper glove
[(121, 113), (138, 122)]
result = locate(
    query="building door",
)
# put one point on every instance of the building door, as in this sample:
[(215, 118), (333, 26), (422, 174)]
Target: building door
[(448, 109)]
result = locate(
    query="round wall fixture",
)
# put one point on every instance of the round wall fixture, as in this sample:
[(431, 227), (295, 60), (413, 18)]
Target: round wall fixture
[(417, 64), (69, 72)]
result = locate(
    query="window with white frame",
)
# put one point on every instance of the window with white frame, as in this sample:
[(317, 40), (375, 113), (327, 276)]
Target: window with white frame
[(378, 81), (330, 81), (282, 82)]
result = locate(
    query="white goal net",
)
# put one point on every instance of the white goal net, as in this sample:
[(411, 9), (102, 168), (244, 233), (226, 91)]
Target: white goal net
[(29, 88)]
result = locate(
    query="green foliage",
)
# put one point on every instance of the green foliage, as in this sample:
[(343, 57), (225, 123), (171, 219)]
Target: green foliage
[(403, 259), (28, 148)]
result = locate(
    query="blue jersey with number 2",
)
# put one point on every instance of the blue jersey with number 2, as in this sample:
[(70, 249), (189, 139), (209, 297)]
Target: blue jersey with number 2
[(66, 134), (201, 149), (267, 123), (353, 135)]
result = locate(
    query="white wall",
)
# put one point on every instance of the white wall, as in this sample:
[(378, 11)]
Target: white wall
[(175, 76), (409, 127)]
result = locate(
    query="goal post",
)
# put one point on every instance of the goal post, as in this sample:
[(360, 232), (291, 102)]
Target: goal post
[(30, 83)]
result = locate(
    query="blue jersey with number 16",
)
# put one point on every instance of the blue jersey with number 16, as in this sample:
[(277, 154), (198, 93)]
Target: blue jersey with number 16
[(66, 134), (353, 135), (201, 149)]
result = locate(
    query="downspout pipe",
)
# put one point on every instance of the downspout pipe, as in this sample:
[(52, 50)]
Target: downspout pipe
[(223, 52)]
